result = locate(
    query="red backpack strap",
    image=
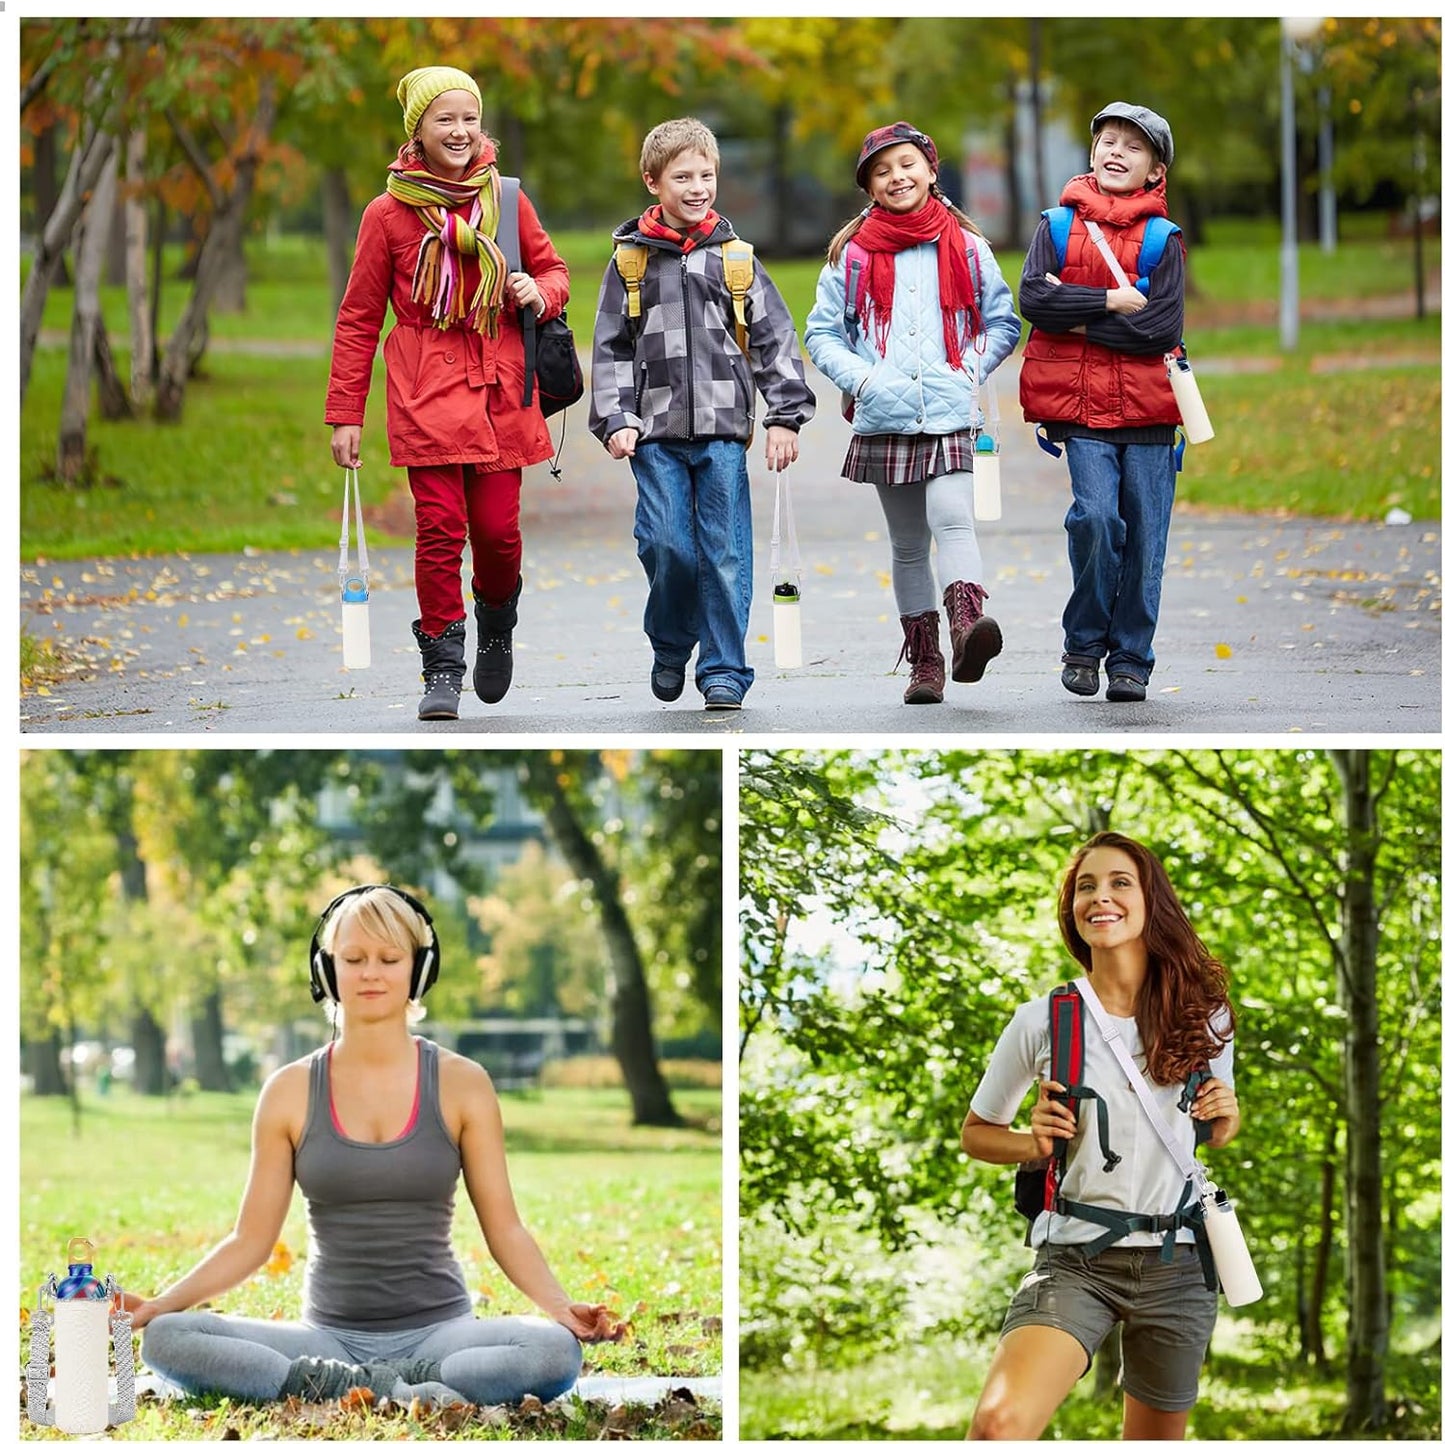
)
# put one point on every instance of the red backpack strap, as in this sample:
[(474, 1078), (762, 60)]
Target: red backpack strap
[(1066, 1066), (855, 262)]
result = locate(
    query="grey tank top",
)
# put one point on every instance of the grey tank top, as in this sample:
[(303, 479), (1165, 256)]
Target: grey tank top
[(379, 1215)]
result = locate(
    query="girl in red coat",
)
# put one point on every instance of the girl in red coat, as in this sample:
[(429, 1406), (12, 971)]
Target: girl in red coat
[(454, 371)]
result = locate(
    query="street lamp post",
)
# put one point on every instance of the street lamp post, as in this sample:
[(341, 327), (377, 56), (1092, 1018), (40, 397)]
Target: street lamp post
[(1292, 28)]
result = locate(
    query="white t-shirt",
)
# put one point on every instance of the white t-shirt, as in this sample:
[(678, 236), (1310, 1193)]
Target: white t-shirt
[(1147, 1180)]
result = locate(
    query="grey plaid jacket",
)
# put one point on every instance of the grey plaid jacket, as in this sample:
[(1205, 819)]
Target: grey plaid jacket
[(684, 378)]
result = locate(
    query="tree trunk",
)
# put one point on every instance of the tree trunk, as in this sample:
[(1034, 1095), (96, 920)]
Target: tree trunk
[(92, 150), (230, 297), (1036, 110), (222, 241), (1356, 961), (46, 189), (337, 226), (142, 336), (85, 323), (632, 1041), (782, 194), (1312, 1329), (114, 400), (42, 1056), (148, 1039), (207, 1031), (91, 155)]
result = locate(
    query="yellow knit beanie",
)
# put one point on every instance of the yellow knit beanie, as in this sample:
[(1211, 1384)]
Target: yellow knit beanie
[(418, 88)]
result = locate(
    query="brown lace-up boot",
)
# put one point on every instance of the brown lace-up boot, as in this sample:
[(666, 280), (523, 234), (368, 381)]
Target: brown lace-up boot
[(920, 647), (976, 638)]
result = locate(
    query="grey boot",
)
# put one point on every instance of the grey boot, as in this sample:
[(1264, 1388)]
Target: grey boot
[(314, 1379), (492, 675), (443, 670)]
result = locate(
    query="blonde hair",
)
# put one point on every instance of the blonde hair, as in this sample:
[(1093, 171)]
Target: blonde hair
[(851, 228), (380, 913), (665, 142)]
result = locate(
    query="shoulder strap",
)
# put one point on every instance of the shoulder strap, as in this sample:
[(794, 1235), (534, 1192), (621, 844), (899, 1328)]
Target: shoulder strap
[(855, 258), (507, 233), (1061, 221), (631, 262), (1187, 1164), (1156, 237), (1066, 1066), (737, 263)]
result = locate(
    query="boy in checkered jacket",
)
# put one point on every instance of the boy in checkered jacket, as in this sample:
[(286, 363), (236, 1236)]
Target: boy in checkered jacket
[(673, 391)]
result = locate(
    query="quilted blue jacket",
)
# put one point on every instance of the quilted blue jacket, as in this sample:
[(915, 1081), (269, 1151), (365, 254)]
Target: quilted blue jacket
[(912, 389)]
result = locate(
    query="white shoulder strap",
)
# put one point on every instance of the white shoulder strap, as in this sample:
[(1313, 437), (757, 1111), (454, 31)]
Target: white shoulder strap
[(1110, 259), (1187, 1164)]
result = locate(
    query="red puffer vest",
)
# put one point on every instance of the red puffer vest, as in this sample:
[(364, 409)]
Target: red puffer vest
[(1070, 378)]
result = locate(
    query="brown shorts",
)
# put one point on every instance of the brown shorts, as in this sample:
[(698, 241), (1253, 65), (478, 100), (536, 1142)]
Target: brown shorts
[(1167, 1312)]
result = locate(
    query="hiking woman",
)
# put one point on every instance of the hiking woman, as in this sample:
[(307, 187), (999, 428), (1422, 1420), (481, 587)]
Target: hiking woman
[(1123, 922), (454, 373), (375, 1128)]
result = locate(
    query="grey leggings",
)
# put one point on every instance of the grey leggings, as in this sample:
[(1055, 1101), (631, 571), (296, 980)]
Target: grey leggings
[(488, 1361), (919, 514)]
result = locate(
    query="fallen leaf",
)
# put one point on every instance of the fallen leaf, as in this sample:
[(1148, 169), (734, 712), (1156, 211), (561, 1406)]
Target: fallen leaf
[(1223, 651)]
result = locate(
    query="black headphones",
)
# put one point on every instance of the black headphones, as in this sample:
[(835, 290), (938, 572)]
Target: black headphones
[(425, 963)]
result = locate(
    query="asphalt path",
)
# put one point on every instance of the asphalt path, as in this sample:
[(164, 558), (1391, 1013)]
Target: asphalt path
[(1269, 625)]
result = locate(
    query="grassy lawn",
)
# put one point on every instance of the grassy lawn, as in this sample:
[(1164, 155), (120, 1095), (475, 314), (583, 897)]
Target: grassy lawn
[(628, 1217), (249, 464)]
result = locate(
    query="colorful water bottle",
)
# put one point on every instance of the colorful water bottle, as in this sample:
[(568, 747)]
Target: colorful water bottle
[(355, 623), (987, 494)]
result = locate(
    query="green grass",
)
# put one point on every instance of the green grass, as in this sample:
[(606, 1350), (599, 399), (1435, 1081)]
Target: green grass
[(629, 1217), (250, 465), (927, 1391)]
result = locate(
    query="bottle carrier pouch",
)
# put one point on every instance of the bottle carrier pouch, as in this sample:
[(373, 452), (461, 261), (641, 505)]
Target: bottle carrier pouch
[(787, 570), (353, 574), (80, 1313)]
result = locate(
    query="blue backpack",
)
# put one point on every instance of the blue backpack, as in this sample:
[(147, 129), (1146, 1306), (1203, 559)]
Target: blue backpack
[(1156, 236)]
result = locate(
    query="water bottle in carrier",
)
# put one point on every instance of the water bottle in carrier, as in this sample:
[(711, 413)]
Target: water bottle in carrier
[(82, 1314)]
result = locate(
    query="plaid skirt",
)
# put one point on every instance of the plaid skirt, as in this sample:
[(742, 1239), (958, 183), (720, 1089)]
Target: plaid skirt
[(889, 460)]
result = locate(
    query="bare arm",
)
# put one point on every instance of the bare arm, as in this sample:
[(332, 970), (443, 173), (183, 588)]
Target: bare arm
[(998, 1143), (484, 1166), (261, 1216)]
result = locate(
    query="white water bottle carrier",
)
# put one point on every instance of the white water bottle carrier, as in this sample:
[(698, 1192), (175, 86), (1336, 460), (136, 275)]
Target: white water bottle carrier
[(1197, 426), (1225, 1238), (987, 495), (787, 570), (82, 1315), (355, 594)]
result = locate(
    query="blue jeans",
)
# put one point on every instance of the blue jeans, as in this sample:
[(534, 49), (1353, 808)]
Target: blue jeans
[(1118, 529), (694, 533)]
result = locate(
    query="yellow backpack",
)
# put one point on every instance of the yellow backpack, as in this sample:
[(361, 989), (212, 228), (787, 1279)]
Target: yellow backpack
[(737, 261)]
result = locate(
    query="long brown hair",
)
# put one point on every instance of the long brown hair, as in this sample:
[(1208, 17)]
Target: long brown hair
[(1186, 987), (850, 228)]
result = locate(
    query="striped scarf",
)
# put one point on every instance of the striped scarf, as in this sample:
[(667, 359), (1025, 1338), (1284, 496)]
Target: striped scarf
[(437, 285), (651, 223)]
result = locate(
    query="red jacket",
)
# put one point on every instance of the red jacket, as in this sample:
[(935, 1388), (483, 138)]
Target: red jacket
[(1067, 377), (454, 395)]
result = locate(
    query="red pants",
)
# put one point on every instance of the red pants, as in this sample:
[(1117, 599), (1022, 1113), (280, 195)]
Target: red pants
[(452, 504)]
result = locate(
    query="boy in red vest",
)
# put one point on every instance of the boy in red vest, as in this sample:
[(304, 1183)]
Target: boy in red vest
[(1093, 374)]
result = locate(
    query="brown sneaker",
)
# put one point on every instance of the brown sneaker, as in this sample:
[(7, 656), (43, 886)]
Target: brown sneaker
[(920, 647), (977, 639)]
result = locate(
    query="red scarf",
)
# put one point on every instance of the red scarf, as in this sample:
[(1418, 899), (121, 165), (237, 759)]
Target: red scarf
[(1092, 204), (650, 223), (883, 234)]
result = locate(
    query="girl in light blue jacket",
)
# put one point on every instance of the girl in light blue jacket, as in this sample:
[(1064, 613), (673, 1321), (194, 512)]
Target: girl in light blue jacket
[(912, 315)]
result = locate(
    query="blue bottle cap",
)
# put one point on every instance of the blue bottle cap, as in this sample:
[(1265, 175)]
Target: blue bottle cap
[(984, 442), (353, 590)]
